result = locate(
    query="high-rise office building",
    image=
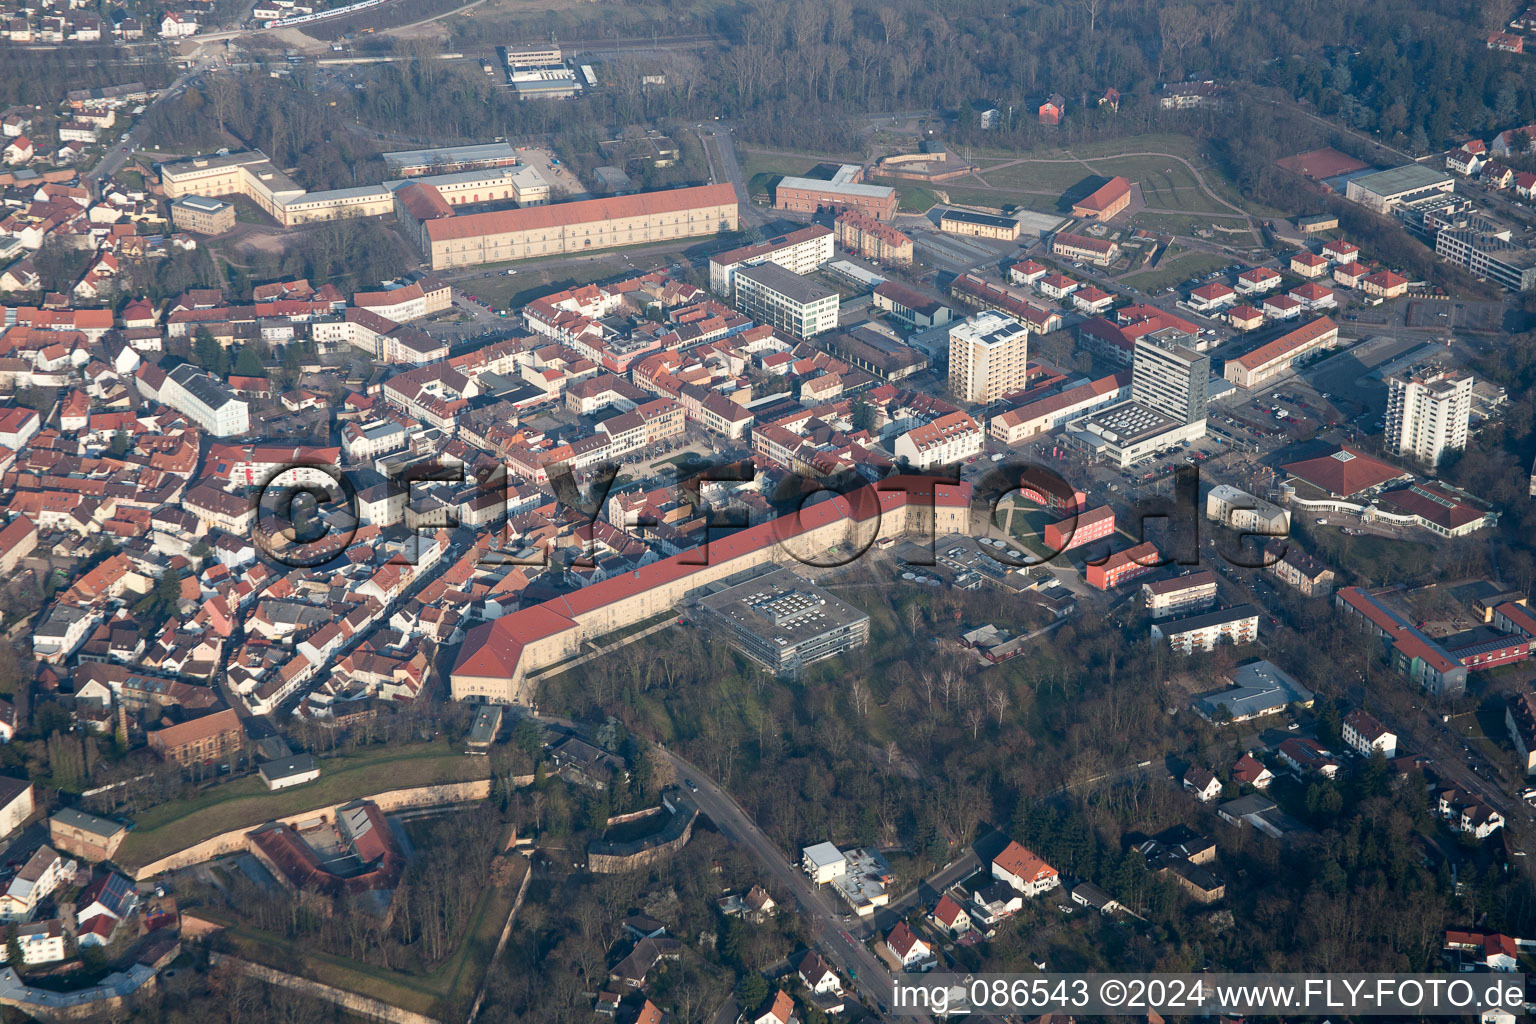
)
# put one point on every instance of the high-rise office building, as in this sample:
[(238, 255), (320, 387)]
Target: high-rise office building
[(1169, 376), (1427, 412), (988, 356)]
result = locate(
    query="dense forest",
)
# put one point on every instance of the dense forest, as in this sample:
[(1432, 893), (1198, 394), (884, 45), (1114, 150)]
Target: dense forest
[(42, 77), (807, 74)]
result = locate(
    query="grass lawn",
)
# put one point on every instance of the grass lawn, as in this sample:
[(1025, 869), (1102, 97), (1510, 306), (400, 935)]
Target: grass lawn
[(533, 279), (1148, 170), (1043, 177), (452, 983), (913, 199), (1185, 224), (1177, 270), (244, 802), (1000, 197)]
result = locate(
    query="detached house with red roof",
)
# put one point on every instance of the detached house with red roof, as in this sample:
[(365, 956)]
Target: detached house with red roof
[(1313, 296), (1384, 284), (1348, 275), (1211, 297), (1024, 870), (1245, 317), (1249, 771), (1470, 950), (1028, 271), (1340, 251), (1309, 264), (1258, 280), (949, 915), (1506, 42), (18, 152), (1467, 159), (780, 1009), (910, 951)]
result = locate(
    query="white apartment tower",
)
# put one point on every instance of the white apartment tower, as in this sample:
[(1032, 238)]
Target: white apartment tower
[(1169, 376), (988, 356), (1427, 412)]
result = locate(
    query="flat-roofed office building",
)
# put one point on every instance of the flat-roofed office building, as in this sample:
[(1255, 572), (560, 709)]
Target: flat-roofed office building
[(784, 623), (787, 302), (202, 215), (799, 252)]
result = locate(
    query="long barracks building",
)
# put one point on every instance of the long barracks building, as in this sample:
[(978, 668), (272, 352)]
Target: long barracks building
[(459, 240), (500, 660)]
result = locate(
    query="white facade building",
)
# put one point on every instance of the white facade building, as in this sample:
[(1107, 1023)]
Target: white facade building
[(988, 356), (206, 400), (946, 441), (1242, 511), (1365, 734), (822, 862), (1427, 412), (786, 301)]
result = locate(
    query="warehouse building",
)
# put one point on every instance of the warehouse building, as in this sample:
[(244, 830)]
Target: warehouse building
[(1384, 191), (844, 191), (1106, 202), (1279, 356), (1098, 251), (416, 162), (979, 225)]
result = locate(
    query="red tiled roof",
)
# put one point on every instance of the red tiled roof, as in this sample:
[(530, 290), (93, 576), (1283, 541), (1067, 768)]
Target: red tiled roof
[(1016, 860), (1214, 290), (1105, 195), (1344, 472), (493, 649), (1286, 342), (584, 211), (1433, 504)]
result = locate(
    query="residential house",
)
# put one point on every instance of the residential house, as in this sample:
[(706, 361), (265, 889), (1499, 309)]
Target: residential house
[(949, 915), (1304, 755), (910, 951), (43, 872), (779, 1009), (1024, 870), (1202, 783), (1368, 736), (1249, 771)]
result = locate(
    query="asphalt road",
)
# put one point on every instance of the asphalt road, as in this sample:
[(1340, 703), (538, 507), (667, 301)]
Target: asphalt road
[(117, 156), (937, 883), (720, 151), (871, 979)]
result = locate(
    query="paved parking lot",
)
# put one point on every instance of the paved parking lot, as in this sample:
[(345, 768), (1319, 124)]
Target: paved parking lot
[(559, 176)]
